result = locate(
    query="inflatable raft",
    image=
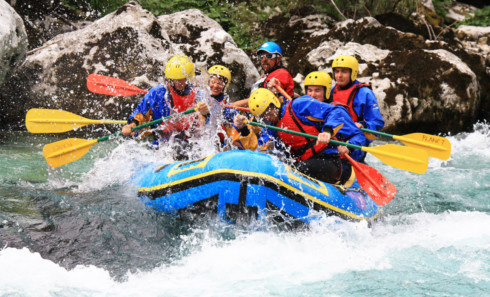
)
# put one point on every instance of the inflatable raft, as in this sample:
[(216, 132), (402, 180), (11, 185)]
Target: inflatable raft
[(242, 186)]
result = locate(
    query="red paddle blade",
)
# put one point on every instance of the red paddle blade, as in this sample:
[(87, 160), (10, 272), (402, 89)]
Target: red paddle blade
[(101, 84), (378, 187)]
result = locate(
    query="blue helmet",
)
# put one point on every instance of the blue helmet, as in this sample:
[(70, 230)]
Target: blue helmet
[(270, 47)]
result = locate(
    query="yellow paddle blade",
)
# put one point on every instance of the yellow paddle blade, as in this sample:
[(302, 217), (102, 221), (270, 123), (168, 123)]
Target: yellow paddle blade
[(402, 157), (66, 151), (436, 146), (58, 121)]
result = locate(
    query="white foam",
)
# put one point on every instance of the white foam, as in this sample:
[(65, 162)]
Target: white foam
[(268, 263)]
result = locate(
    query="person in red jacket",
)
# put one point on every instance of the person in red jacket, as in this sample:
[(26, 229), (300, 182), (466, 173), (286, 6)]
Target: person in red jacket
[(270, 56)]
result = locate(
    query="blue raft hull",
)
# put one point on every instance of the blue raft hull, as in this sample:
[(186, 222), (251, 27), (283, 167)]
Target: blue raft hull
[(239, 185)]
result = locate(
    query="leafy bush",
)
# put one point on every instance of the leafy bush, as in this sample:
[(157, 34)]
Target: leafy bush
[(481, 18), (441, 7)]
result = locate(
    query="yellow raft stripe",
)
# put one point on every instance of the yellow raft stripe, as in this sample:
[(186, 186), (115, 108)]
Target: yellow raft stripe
[(261, 175)]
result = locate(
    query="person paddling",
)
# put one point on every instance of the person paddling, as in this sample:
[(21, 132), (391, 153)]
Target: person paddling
[(357, 97), (176, 95), (219, 80), (304, 114), (270, 58)]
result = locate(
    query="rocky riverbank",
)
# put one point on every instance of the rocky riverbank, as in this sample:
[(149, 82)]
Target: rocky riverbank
[(424, 82)]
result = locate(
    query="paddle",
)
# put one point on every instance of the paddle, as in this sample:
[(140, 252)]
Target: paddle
[(402, 157), (436, 146), (242, 103), (107, 85), (378, 187), (66, 151), (58, 121)]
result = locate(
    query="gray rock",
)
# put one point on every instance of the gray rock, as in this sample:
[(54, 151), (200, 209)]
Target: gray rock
[(13, 40), (432, 86), (203, 39), (131, 44)]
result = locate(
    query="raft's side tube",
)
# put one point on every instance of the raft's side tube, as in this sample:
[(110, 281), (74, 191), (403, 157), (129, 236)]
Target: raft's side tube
[(252, 183)]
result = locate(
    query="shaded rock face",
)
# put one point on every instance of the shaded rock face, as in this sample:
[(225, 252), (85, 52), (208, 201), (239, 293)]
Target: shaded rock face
[(13, 40), (131, 44), (44, 19)]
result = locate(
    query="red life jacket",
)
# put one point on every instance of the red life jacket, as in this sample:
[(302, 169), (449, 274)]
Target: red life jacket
[(181, 103), (346, 98), (304, 148)]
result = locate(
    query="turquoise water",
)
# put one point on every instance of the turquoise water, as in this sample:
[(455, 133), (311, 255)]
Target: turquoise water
[(79, 230)]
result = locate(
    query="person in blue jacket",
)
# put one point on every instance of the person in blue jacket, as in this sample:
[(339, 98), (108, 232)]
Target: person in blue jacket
[(177, 95), (318, 159), (357, 97)]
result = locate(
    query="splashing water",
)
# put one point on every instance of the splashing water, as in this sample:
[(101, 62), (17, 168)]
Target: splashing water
[(81, 231)]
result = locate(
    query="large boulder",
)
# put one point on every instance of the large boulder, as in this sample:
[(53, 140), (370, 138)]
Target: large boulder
[(13, 40), (127, 43), (202, 38), (131, 44), (433, 86)]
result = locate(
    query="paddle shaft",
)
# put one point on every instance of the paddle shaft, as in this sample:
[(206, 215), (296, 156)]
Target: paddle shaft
[(377, 133), (147, 124), (333, 141), (281, 90), (237, 108), (72, 121)]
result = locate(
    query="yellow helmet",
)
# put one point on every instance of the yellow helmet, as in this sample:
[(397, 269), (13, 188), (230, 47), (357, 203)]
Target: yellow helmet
[(221, 71), (319, 78), (260, 100), (347, 62), (179, 67)]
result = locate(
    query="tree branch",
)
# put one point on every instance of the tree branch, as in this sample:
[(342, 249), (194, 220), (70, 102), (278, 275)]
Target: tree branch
[(338, 10)]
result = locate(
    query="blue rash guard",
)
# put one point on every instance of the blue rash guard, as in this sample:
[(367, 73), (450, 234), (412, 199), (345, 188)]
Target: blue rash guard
[(325, 117)]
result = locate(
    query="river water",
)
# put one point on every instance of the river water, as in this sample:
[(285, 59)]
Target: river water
[(80, 230)]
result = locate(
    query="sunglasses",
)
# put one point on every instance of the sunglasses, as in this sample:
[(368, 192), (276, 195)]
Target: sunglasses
[(268, 56)]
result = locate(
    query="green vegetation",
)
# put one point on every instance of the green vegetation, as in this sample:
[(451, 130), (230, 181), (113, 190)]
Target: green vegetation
[(441, 7), (243, 19), (481, 18)]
